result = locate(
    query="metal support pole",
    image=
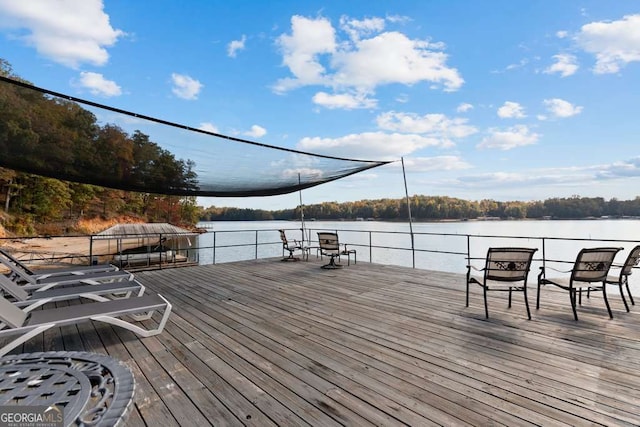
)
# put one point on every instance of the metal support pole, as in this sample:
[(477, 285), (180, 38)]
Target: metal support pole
[(406, 191), (301, 210)]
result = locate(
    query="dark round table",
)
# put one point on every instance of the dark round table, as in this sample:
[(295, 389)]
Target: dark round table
[(87, 388)]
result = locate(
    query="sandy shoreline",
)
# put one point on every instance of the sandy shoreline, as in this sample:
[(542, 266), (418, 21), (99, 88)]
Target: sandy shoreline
[(66, 250), (44, 244)]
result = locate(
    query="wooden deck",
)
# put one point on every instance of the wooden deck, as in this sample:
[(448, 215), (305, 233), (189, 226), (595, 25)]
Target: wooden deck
[(272, 343)]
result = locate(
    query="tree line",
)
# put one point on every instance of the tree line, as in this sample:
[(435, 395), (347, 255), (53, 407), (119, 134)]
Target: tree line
[(37, 205), (434, 208)]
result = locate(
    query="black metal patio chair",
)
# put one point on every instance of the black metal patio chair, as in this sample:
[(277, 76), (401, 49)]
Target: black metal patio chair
[(622, 279), (505, 270), (589, 272)]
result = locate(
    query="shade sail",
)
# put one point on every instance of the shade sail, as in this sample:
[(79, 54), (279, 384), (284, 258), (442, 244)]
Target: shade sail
[(59, 136)]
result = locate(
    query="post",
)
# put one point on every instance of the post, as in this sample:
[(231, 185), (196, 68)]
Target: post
[(406, 191), (213, 261), (301, 209), (91, 249)]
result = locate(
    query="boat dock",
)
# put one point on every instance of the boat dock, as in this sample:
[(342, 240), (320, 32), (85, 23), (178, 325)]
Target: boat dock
[(265, 342)]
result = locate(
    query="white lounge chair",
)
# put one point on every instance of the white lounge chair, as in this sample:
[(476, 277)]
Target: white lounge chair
[(33, 282), (98, 292), (7, 258), (26, 323)]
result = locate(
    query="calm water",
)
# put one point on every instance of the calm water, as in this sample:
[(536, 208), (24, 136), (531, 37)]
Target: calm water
[(390, 242)]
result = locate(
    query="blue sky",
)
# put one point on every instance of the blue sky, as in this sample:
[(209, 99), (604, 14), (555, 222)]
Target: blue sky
[(508, 100)]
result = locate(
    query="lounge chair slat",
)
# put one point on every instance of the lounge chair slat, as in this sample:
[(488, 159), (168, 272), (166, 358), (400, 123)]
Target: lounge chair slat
[(75, 313)]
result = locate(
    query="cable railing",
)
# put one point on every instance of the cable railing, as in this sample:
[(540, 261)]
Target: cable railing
[(449, 252)]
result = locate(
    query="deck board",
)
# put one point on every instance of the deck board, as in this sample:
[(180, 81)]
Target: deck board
[(265, 342)]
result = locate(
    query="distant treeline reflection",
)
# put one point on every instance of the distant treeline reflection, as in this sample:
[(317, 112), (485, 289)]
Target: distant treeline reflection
[(439, 208)]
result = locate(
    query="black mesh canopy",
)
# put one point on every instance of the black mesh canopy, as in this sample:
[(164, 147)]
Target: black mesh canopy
[(58, 136)]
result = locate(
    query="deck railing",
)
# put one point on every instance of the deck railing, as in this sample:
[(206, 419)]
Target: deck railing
[(426, 250)]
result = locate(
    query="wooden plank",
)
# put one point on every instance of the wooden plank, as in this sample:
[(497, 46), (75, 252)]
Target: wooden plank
[(272, 343)]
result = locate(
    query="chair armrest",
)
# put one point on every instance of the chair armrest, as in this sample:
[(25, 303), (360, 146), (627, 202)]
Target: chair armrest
[(35, 305)]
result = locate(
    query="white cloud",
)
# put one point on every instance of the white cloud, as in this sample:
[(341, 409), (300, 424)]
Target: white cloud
[(288, 173), (365, 60), (433, 125), (185, 87), (359, 28), (511, 110), (402, 98), (614, 43), (392, 57), (209, 127), (344, 101), (517, 65), (256, 132), (309, 38), (561, 108), (623, 169), (566, 65), (511, 67), (369, 145), (67, 32), (464, 107), (504, 179), (516, 136), (437, 163), (398, 19), (567, 177), (236, 45), (98, 85), (562, 34)]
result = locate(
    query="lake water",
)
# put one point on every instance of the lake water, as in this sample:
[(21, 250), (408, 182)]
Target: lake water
[(439, 246)]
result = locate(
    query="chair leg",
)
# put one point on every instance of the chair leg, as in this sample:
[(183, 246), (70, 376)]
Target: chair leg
[(332, 264), (538, 296), (606, 300), (290, 257), (526, 302), (486, 306), (572, 297), (509, 297), (626, 283), (467, 303), (624, 300)]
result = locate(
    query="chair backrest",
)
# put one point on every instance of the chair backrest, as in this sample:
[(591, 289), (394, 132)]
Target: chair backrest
[(12, 288), (633, 259), (10, 314), (593, 264), (15, 270), (328, 241), (508, 264), (16, 261), (283, 237)]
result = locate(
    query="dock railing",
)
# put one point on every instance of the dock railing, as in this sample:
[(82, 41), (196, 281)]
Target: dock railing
[(449, 252)]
